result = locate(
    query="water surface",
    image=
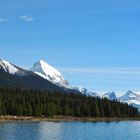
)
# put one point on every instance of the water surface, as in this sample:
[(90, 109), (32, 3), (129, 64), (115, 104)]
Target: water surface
[(127, 130)]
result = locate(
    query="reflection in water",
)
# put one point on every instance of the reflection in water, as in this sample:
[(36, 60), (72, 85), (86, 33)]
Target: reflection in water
[(129, 130), (50, 131)]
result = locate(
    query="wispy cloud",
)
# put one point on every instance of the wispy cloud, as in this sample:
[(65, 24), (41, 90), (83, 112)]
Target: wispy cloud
[(26, 18), (2, 19), (131, 71)]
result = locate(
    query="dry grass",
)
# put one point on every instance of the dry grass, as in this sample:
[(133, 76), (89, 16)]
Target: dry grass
[(63, 119)]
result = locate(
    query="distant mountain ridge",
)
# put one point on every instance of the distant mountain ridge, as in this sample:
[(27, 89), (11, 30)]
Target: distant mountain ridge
[(43, 76), (129, 97)]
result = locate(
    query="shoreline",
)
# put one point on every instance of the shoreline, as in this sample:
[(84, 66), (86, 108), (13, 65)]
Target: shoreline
[(9, 118)]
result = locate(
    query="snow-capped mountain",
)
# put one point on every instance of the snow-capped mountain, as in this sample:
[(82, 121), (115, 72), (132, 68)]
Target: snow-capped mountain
[(11, 69), (48, 72), (110, 95), (131, 98), (86, 92), (45, 77), (14, 76)]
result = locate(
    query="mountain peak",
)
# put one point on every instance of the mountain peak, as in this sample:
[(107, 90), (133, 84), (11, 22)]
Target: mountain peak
[(8, 67), (43, 67), (129, 96), (41, 61), (110, 95), (48, 72)]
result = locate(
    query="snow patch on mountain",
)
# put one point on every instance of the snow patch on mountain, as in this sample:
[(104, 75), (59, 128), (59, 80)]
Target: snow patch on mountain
[(86, 92), (130, 98), (11, 69), (8, 67), (48, 72)]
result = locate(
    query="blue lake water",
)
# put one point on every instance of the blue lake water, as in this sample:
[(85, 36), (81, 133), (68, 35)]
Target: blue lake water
[(127, 130)]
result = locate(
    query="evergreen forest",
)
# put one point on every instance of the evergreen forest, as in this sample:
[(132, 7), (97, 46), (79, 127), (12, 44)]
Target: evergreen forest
[(16, 101)]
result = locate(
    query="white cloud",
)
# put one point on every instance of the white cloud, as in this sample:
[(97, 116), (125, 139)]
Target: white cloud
[(26, 18), (2, 19), (130, 71)]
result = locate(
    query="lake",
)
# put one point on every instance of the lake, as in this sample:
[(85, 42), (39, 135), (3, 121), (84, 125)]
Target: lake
[(125, 130)]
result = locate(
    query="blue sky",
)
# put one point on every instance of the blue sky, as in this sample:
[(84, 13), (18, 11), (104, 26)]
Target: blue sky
[(95, 44)]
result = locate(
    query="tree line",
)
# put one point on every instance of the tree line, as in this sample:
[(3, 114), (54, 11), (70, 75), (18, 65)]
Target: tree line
[(16, 101)]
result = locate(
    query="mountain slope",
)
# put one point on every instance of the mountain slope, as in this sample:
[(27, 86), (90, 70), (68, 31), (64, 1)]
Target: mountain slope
[(48, 72), (11, 69), (131, 98), (13, 76)]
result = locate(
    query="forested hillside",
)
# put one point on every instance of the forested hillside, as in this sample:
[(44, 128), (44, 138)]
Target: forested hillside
[(38, 103)]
